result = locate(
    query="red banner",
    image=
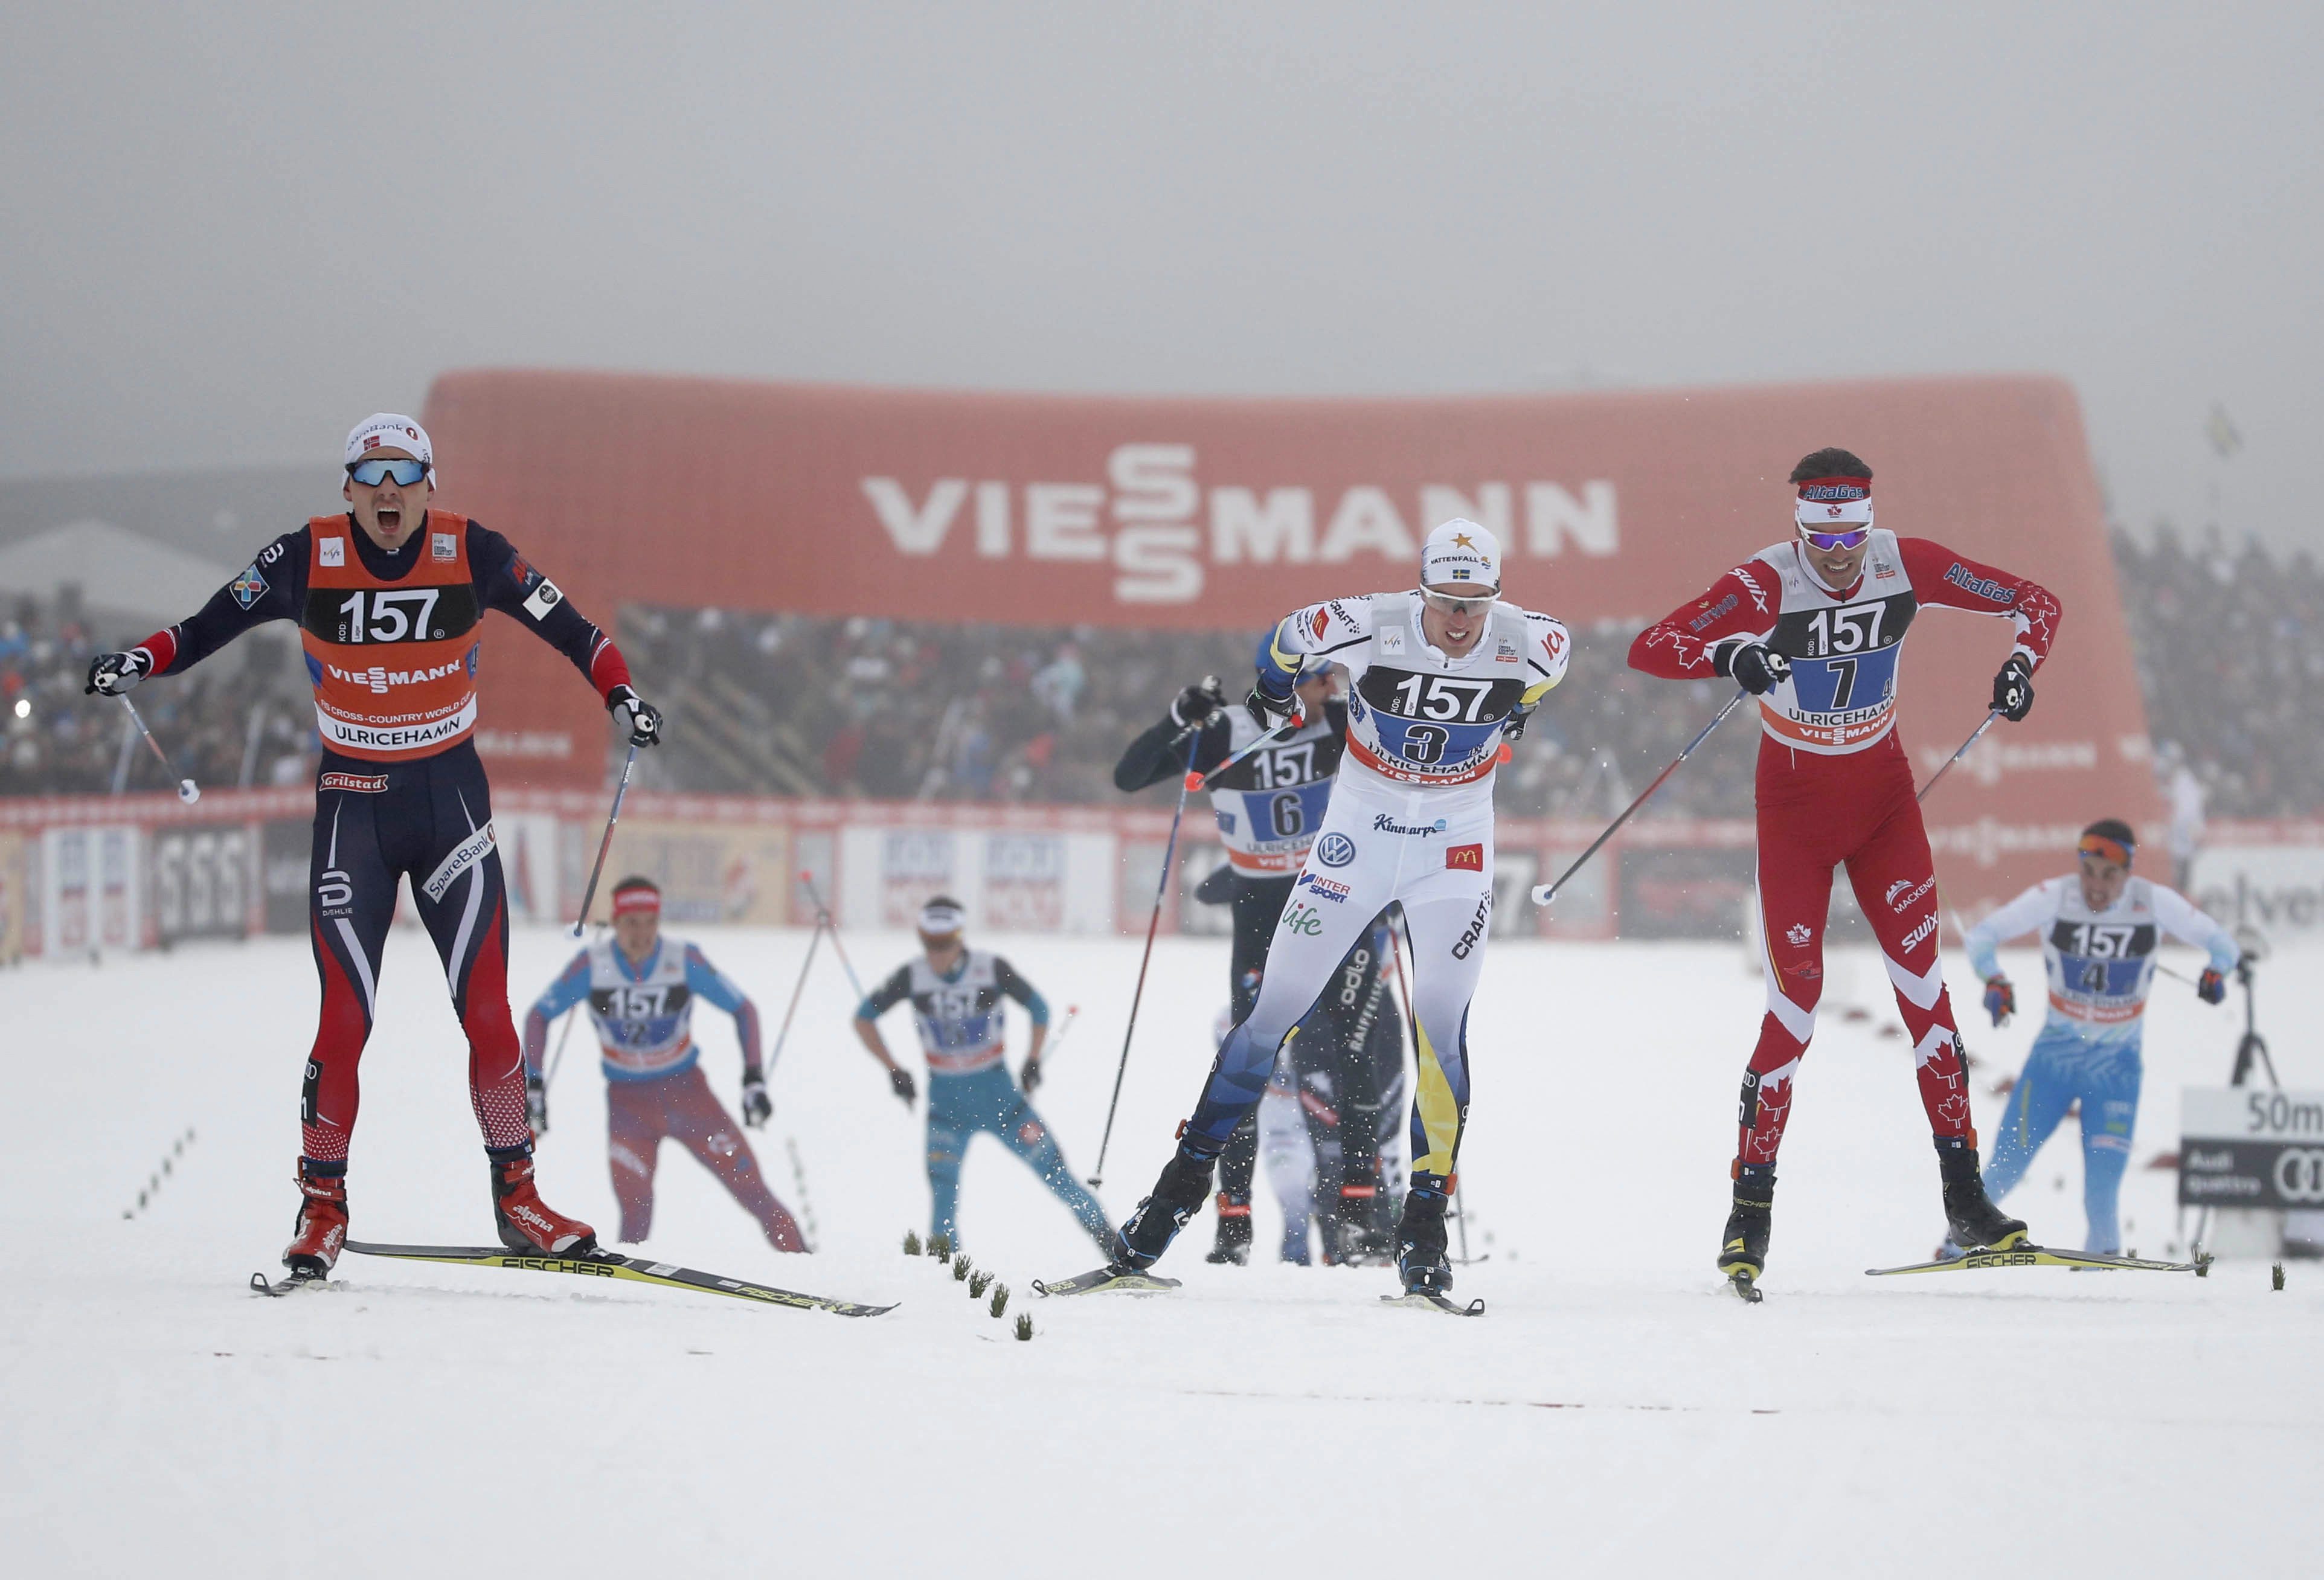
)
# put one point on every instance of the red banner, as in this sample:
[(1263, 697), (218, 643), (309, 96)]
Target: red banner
[(1216, 513)]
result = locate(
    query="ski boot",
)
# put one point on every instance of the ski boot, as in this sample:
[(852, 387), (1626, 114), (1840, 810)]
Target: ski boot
[(1420, 1257), (1743, 1249), (321, 1227), (1976, 1225), (1234, 1243), (1176, 1196), (526, 1223)]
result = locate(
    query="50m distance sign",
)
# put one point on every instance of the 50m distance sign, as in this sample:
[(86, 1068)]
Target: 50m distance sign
[(2251, 1147)]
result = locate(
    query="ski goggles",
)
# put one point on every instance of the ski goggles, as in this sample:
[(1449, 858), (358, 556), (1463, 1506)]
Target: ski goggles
[(1446, 603), (1832, 543), (2100, 845), (372, 470)]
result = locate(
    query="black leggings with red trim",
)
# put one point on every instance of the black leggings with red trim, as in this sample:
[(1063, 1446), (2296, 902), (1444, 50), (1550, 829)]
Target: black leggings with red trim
[(430, 821)]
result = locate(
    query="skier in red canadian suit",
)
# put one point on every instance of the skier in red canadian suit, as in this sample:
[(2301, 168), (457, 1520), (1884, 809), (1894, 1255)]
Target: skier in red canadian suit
[(1813, 627)]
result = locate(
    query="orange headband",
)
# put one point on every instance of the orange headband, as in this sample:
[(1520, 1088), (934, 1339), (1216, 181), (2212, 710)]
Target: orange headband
[(2099, 845)]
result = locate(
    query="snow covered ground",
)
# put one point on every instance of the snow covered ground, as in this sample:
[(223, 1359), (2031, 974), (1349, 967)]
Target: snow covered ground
[(1614, 1412)]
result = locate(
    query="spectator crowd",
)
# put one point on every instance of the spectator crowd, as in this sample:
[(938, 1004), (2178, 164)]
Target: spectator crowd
[(2230, 645)]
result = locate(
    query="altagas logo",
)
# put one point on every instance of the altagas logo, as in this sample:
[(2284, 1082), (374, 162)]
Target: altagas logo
[(1161, 525)]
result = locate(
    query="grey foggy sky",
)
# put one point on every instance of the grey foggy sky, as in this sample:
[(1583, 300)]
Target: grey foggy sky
[(226, 234)]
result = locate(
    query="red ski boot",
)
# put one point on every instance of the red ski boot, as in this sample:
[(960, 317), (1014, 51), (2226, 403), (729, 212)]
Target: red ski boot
[(321, 1226), (526, 1223)]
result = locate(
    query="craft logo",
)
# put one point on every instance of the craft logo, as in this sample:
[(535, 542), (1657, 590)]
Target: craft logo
[(1335, 850), (1962, 577), (248, 587), (332, 551), (1466, 858), (1474, 934)]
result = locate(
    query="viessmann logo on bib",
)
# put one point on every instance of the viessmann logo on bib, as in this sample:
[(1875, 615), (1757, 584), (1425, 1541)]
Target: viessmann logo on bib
[(1161, 524)]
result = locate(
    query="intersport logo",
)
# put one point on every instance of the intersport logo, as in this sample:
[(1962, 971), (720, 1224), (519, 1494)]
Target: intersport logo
[(1161, 525)]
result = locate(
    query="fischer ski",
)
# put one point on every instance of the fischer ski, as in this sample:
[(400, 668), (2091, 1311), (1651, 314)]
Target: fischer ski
[(1108, 1280), (1420, 1301), (605, 1264), (2041, 1256)]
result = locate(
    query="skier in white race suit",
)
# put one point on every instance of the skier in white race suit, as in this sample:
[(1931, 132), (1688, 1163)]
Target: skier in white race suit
[(1439, 679)]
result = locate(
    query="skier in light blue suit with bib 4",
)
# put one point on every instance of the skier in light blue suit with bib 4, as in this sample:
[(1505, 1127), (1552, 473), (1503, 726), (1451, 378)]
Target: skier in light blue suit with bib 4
[(2098, 929)]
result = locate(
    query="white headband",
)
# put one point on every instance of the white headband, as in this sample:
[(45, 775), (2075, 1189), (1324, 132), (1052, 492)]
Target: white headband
[(1833, 513), (937, 920)]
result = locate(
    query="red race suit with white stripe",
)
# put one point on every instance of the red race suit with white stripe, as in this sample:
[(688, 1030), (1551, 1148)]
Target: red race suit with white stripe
[(1834, 787), (391, 641)]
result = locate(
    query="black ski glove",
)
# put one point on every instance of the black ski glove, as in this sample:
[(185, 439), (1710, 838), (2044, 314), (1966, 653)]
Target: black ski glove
[(2012, 688), (1513, 728), (111, 674), (1197, 703), (536, 1103), (757, 1107), (1267, 710), (1030, 1077), (643, 717), (899, 1081), (1754, 666)]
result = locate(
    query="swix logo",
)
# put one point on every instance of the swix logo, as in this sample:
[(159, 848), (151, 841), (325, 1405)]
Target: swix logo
[(1161, 529), (1901, 894), (381, 679), (1474, 933), (1759, 594), (1921, 929), (1798, 933)]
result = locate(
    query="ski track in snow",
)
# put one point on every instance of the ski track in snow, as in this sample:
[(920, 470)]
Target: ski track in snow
[(1615, 1411)]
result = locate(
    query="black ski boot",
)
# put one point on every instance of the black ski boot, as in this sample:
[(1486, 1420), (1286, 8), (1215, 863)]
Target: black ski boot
[(1975, 1222), (1420, 1259), (1233, 1244), (1743, 1249), (1177, 1196)]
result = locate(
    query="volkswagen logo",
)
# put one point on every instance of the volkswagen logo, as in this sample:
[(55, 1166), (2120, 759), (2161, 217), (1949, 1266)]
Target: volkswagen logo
[(1335, 850)]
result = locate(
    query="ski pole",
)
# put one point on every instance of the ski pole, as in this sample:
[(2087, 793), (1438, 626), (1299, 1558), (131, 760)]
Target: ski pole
[(823, 915), (1161, 887), (1544, 894), (1059, 1039), (1957, 756), (188, 790), (605, 844), (557, 1055), (798, 991), (1204, 780)]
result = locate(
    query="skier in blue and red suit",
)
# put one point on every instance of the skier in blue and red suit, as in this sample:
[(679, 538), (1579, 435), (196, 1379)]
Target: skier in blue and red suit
[(388, 599)]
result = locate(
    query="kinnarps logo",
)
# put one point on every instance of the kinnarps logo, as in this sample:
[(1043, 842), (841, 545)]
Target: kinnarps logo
[(1160, 527)]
